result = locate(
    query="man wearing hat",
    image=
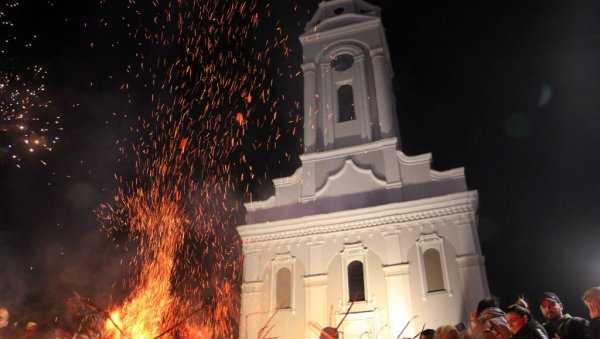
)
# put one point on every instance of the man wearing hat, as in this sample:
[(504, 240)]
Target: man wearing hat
[(559, 325)]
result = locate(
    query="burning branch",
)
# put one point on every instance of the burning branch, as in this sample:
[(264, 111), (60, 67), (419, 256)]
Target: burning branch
[(179, 323), (100, 311)]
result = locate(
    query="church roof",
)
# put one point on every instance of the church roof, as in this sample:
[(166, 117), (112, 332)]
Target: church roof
[(333, 10)]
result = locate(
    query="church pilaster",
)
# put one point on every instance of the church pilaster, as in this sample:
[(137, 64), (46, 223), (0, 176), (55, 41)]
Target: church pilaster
[(399, 298), (327, 117), (310, 108), (381, 72)]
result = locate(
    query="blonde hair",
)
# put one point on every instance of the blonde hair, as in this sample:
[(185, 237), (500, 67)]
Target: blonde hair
[(591, 292), (448, 330)]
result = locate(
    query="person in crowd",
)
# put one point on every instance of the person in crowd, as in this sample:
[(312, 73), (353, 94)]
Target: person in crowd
[(591, 299), (90, 327), (24, 329), (329, 333), (559, 325), (55, 331), (427, 333), (31, 330), (4, 321), (446, 332), (488, 321), (522, 324)]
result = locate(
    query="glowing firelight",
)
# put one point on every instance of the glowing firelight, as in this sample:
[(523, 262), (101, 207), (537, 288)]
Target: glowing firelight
[(186, 271), (112, 323)]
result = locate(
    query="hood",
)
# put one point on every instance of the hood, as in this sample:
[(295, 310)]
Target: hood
[(491, 312)]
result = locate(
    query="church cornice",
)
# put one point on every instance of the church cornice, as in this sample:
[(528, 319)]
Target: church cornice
[(348, 151), (454, 173), (317, 34), (369, 217), (424, 158)]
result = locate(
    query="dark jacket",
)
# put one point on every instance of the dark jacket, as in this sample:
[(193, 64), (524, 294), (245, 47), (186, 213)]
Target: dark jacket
[(490, 325), (531, 330), (594, 328), (568, 327)]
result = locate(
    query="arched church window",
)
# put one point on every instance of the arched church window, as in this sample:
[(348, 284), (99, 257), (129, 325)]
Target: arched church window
[(356, 281), (434, 275), (346, 103), (342, 62), (283, 288)]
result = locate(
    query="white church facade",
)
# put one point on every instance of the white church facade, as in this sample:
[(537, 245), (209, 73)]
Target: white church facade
[(360, 232)]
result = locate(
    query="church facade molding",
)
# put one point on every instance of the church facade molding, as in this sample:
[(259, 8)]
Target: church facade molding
[(397, 215)]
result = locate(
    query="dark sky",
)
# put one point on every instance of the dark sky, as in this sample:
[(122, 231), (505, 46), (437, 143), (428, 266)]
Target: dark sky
[(509, 91)]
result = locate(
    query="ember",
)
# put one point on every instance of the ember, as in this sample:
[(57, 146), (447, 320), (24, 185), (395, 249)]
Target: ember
[(185, 276)]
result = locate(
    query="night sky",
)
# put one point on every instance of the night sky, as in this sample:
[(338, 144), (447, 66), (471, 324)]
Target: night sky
[(509, 91)]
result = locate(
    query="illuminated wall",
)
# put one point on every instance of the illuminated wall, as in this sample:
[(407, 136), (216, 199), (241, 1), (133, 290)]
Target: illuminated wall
[(359, 220)]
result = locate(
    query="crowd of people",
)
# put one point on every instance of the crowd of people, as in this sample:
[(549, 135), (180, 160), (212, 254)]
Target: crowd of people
[(89, 327), (489, 321)]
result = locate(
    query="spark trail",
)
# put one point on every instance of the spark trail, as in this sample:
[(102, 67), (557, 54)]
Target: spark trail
[(206, 70)]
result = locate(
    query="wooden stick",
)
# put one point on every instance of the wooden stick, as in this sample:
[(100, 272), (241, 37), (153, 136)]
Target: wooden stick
[(418, 334), (101, 311), (179, 323), (345, 315), (405, 326)]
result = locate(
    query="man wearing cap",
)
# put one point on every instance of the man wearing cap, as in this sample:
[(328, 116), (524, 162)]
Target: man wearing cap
[(591, 299), (559, 325)]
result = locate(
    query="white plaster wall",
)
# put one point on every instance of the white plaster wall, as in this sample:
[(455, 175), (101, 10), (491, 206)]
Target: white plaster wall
[(437, 308)]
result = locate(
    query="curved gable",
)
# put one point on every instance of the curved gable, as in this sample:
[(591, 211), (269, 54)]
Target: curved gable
[(350, 179)]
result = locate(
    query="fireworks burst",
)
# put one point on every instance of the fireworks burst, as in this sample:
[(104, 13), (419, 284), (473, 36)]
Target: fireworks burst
[(24, 123), (207, 73)]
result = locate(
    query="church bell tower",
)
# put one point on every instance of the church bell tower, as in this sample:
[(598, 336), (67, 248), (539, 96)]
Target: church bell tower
[(347, 78)]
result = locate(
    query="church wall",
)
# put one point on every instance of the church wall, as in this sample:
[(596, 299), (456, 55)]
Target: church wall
[(437, 308), (392, 296), (432, 189), (414, 169), (325, 168), (373, 309), (373, 160), (335, 295), (260, 310)]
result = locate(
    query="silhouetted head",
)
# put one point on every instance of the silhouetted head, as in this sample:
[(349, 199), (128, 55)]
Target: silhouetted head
[(487, 303)]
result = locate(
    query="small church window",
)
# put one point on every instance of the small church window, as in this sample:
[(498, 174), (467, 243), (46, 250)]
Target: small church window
[(356, 281), (433, 270), (283, 288), (342, 62), (346, 103)]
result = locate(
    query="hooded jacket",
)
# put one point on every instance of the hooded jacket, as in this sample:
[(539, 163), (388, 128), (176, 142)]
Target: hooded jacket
[(490, 325)]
